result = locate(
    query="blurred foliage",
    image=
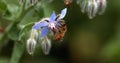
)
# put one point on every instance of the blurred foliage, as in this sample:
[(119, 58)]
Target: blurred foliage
[(87, 40)]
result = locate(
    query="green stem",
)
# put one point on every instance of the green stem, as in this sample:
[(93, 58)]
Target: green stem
[(18, 51)]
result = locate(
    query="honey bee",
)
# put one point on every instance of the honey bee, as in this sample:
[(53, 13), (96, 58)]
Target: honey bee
[(61, 31)]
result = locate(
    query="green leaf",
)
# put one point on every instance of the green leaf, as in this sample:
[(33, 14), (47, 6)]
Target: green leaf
[(12, 12), (31, 16), (17, 52), (25, 29)]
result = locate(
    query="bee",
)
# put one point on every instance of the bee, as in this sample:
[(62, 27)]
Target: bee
[(61, 31)]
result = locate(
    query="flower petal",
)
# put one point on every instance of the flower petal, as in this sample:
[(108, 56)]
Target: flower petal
[(63, 13), (52, 17), (44, 31), (40, 24)]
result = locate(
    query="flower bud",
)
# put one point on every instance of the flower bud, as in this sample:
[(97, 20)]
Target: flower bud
[(102, 6), (92, 8), (46, 46), (31, 44), (83, 4)]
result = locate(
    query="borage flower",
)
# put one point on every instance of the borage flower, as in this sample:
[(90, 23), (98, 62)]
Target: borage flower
[(45, 25), (50, 23)]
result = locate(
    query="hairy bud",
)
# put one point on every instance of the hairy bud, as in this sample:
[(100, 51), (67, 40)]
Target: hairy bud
[(102, 6), (46, 46), (92, 8), (31, 44)]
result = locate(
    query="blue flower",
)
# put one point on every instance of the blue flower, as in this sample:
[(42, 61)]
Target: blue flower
[(50, 24)]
